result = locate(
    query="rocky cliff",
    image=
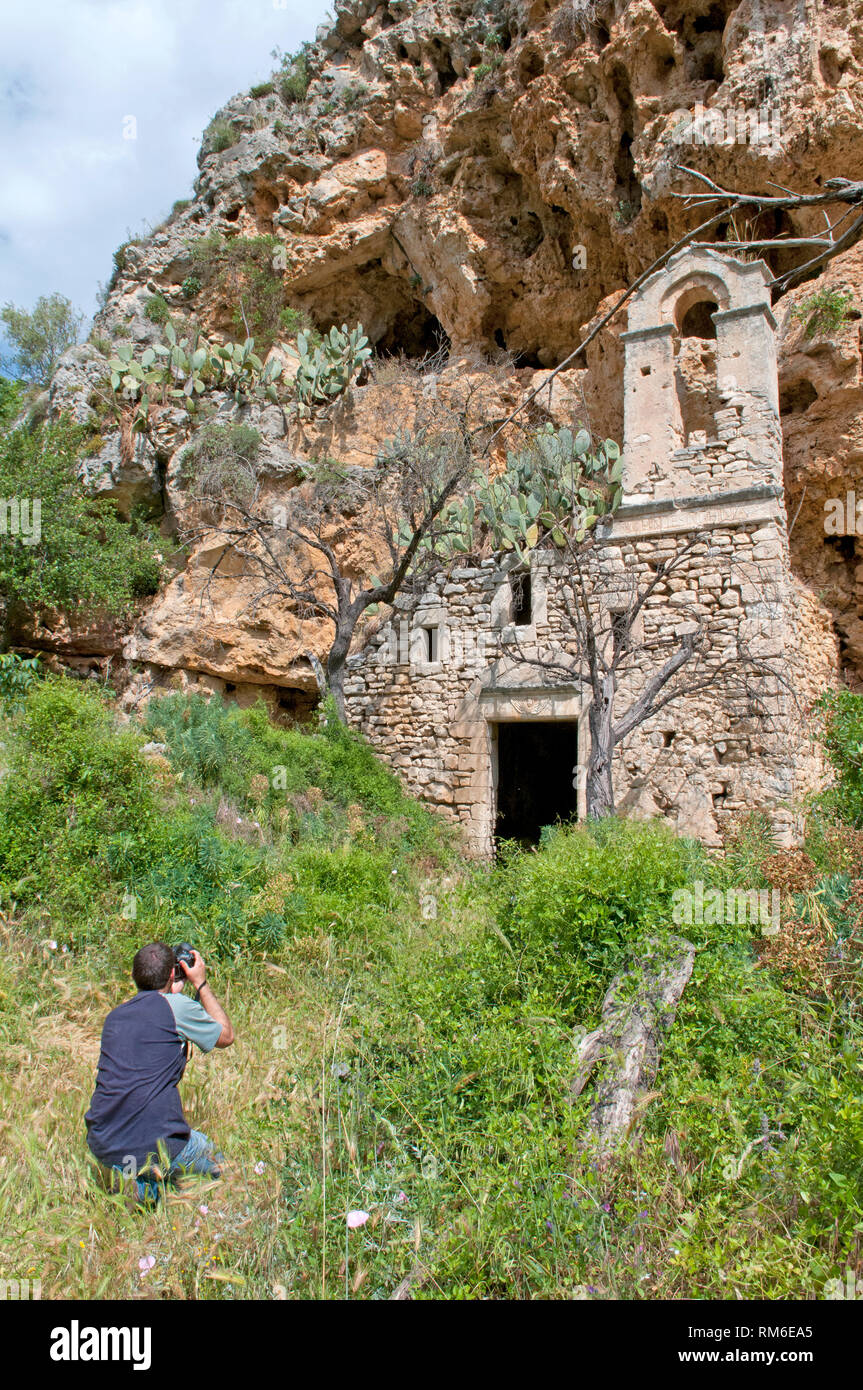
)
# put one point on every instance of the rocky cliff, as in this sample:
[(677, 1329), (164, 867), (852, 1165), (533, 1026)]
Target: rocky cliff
[(478, 179)]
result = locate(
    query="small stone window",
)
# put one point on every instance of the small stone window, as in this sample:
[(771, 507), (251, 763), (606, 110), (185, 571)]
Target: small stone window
[(620, 637), (521, 609), (430, 643)]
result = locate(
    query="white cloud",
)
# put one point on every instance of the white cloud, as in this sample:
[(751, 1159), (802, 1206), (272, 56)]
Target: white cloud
[(71, 73)]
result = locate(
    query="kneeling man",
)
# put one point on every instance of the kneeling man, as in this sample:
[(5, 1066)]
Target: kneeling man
[(135, 1124)]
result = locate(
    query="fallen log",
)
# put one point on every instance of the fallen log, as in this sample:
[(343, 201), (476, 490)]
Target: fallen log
[(638, 1010)]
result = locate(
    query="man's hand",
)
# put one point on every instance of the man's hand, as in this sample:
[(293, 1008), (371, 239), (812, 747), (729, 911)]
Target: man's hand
[(195, 974)]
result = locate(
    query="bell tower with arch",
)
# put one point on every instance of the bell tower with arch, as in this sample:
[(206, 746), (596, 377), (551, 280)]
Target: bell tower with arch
[(700, 372)]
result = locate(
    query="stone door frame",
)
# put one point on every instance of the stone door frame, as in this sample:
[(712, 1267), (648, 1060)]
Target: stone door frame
[(519, 705)]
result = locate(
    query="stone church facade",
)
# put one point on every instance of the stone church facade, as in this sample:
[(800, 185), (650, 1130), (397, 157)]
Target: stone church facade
[(451, 692)]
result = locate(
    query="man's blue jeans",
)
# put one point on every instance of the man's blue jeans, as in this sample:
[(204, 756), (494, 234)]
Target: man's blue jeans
[(198, 1156)]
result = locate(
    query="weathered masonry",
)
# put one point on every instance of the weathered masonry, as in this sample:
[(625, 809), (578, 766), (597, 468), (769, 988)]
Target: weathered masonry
[(449, 694)]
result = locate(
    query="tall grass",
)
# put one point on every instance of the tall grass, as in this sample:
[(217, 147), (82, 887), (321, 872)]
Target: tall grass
[(411, 1066)]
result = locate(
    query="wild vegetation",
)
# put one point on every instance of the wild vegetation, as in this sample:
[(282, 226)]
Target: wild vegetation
[(397, 1105), (84, 560)]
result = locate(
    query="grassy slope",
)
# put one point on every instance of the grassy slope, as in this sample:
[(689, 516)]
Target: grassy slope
[(409, 1066)]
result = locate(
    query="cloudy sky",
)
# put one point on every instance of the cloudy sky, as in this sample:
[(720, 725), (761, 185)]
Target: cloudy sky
[(72, 72)]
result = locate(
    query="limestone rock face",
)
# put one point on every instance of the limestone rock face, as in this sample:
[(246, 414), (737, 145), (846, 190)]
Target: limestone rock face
[(491, 175)]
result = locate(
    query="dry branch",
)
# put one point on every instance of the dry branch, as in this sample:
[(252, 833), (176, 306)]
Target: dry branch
[(637, 1012)]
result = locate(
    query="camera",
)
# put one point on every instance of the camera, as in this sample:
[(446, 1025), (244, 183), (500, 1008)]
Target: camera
[(186, 953)]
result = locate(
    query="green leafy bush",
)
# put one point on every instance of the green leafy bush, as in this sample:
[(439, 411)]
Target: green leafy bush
[(296, 77), (75, 783), (214, 744), (87, 561), (245, 272), (593, 894), (191, 286), (353, 95), (841, 713), (157, 309), (824, 312), (17, 676), (219, 135), (121, 259), (294, 321), (11, 400)]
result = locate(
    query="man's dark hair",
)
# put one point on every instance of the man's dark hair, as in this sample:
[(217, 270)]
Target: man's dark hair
[(153, 966)]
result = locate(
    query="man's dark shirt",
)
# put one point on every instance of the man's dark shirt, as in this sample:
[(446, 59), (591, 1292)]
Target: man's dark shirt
[(136, 1103)]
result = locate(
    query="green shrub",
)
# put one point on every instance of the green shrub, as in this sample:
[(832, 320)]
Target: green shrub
[(11, 400), (75, 785), (190, 287), (219, 135), (262, 89), (219, 461), (294, 321), (218, 745), (208, 250), (120, 259), (17, 677), (353, 95), (490, 64), (207, 742), (245, 275), (841, 715), (824, 312), (296, 78), (87, 560), (157, 309), (593, 893)]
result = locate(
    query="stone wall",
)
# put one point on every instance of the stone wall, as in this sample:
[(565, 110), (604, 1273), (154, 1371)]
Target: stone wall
[(701, 761)]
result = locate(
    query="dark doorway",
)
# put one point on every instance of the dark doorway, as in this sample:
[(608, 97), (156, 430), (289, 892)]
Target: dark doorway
[(536, 776)]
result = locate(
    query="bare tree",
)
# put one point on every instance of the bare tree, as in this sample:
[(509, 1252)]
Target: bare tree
[(296, 550)]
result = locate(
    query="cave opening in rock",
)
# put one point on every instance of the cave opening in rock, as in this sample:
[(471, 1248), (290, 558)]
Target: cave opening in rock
[(701, 35), (446, 73), (845, 548), (535, 764), (413, 332), (627, 191), (531, 65), (530, 357), (295, 705), (797, 397), (711, 23)]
